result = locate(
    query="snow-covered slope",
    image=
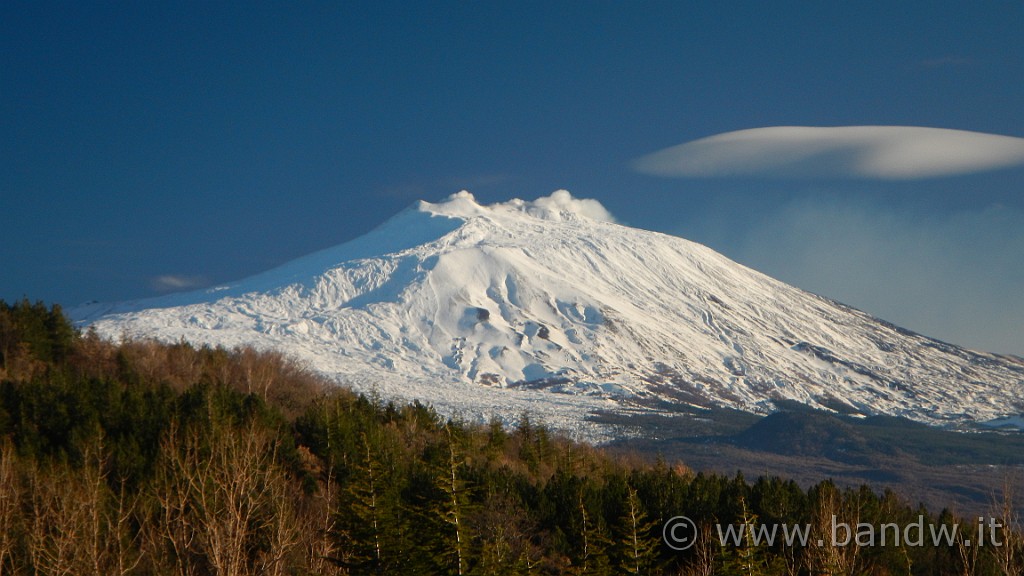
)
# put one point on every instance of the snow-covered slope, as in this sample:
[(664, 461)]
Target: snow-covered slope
[(548, 307)]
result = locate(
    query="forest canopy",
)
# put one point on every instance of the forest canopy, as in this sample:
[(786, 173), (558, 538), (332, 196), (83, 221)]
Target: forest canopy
[(141, 457)]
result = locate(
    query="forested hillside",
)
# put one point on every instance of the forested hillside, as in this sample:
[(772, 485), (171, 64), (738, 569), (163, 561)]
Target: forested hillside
[(147, 458)]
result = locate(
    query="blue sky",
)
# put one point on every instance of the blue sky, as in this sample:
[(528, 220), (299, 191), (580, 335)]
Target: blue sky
[(148, 146)]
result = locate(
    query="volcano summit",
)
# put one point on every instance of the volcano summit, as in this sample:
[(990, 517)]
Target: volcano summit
[(550, 307)]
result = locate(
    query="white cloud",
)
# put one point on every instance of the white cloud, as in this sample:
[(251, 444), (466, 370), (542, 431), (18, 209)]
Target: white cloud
[(173, 283), (563, 201), (873, 152), (550, 207), (957, 277)]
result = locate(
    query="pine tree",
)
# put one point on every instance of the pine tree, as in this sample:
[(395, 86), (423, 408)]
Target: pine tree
[(453, 507), (637, 549), (592, 556), (363, 510)]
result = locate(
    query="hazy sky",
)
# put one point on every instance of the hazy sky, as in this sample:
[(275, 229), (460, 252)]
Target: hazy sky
[(152, 146)]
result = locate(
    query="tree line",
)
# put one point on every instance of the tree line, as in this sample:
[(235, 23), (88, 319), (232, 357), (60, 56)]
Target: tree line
[(146, 458)]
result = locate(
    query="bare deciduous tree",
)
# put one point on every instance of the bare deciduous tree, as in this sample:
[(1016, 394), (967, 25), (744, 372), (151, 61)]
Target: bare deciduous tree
[(319, 524), (77, 524), (52, 531), (10, 496), (174, 540), (226, 501), (825, 555), (1008, 548), (282, 523), (125, 540), (228, 495)]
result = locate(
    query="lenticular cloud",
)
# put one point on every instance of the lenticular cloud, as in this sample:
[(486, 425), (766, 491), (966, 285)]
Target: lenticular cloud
[(875, 152)]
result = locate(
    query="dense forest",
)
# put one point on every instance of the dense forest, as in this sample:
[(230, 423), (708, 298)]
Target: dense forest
[(146, 458)]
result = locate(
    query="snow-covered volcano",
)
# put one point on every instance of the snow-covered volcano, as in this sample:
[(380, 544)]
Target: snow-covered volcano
[(548, 306)]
